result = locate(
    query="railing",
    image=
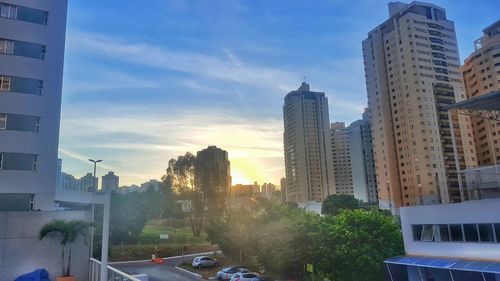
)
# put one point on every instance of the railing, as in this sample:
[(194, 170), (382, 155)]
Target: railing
[(113, 273)]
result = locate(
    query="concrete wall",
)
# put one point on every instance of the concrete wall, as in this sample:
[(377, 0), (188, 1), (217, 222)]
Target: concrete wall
[(22, 252), (479, 211)]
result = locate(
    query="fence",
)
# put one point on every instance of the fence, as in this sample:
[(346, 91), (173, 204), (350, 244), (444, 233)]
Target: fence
[(113, 273)]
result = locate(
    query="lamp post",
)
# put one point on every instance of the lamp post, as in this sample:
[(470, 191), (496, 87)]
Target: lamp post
[(105, 234), (93, 192)]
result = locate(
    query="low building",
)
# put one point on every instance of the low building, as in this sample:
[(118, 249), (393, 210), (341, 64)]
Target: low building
[(449, 242)]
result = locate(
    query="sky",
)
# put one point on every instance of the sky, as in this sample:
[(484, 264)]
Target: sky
[(146, 81)]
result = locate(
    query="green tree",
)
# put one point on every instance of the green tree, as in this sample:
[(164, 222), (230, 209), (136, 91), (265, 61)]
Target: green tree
[(128, 217), (354, 244), (69, 231), (334, 204)]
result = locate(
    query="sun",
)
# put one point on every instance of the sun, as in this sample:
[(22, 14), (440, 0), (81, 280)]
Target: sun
[(239, 177)]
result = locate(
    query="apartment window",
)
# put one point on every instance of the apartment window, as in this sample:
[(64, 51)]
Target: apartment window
[(3, 121), (427, 232), (35, 162), (456, 232), (9, 11), (18, 161), (417, 232), (6, 46), (5, 83), (444, 233), (486, 232)]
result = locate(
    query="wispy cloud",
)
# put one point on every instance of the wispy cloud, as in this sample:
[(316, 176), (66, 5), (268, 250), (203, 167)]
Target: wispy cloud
[(232, 69)]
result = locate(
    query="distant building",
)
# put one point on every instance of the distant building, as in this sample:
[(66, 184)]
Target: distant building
[(341, 158), (89, 182), (155, 184), (268, 190), (243, 196), (110, 181), (364, 182), (213, 175), (283, 189), (308, 154), (32, 36)]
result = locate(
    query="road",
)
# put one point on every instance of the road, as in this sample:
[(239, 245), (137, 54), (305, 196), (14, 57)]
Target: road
[(158, 272)]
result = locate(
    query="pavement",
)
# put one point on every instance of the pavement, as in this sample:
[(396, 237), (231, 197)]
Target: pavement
[(159, 272)]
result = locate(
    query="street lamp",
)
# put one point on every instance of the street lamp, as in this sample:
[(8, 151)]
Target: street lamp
[(93, 191)]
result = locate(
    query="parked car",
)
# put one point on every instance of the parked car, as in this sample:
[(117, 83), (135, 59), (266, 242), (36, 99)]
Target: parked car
[(244, 276), (226, 273), (204, 261)]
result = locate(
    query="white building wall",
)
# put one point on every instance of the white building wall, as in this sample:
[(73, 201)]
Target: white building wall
[(47, 106), (480, 211)]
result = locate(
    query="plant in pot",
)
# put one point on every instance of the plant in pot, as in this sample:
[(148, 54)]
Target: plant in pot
[(68, 231)]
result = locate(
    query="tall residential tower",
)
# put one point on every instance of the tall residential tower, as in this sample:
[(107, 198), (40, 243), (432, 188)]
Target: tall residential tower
[(32, 35), (412, 74), (308, 154)]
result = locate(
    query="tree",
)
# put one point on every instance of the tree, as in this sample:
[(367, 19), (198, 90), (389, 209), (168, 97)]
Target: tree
[(354, 244), (180, 176), (334, 204), (69, 232)]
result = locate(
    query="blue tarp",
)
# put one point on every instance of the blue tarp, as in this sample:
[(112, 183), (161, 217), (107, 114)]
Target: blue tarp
[(37, 275), (447, 263)]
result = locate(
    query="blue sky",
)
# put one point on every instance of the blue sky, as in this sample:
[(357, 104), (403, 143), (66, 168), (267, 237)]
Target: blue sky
[(145, 81)]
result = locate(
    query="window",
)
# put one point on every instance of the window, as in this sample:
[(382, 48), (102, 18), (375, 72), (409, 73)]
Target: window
[(427, 232), (5, 83), (35, 160), (3, 121), (1, 158), (486, 232), (417, 232), (444, 233), (456, 232), (470, 232), (37, 124), (6, 46), (9, 11), (496, 226)]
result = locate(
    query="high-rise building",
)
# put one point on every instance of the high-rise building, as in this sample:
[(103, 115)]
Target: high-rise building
[(213, 175), (32, 36), (155, 184), (341, 158), (267, 190), (283, 189), (412, 74), (364, 181), (481, 76), (110, 181), (307, 149)]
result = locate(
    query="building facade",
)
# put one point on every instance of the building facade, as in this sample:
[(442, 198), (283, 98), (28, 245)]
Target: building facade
[(412, 75), (341, 154), (213, 175), (364, 181), (307, 149), (32, 37), (481, 76), (110, 181)]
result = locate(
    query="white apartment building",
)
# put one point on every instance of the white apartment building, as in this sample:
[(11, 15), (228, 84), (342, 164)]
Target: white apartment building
[(412, 75), (32, 37), (307, 149)]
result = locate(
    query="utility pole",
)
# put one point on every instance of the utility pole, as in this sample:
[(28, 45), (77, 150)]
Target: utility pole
[(93, 207)]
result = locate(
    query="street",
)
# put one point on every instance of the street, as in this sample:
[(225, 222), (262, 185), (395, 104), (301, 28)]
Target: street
[(158, 272)]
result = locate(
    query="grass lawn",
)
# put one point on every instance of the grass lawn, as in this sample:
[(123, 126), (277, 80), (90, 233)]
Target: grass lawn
[(208, 272), (180, 241)]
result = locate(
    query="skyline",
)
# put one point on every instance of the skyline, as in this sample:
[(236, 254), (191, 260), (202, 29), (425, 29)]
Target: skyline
[(195, 79)]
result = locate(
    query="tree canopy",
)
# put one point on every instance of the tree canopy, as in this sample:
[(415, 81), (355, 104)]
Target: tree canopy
[(334, 204)]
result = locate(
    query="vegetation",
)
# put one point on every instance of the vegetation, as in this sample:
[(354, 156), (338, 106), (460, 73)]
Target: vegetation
[(334, 204), (69, 231), (349, 246)]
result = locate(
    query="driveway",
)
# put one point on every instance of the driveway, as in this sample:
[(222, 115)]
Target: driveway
[(159, 272)]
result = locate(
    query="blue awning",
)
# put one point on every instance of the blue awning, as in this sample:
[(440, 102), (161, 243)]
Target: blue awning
[(447, 263)]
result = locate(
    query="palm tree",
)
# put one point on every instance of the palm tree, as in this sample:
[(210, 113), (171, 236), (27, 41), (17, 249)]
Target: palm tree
[(69, 232)]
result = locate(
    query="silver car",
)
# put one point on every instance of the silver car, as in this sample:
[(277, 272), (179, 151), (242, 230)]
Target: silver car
[(226, 273), (243, 276), (204, 261)]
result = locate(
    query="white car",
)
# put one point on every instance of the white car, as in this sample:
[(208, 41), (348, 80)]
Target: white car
[(204, 261), (226, 273), (243, 276)]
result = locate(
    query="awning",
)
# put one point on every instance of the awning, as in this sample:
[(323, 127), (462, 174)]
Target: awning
[(447, 263), (489, 101)]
